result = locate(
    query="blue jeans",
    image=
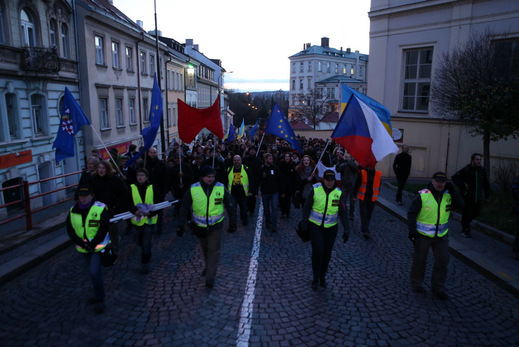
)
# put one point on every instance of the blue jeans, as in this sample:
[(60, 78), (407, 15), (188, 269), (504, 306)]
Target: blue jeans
[(270, 206), (93, 261)]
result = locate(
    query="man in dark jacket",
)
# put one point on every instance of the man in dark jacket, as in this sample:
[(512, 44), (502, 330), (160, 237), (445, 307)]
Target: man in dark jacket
[(428, 222), (402, 169), (158, 176), (473, 184), (254, 163), (270, 181)]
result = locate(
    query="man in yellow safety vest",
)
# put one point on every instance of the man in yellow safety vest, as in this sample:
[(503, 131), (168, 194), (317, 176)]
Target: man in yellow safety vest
[(207, 199), (428, 224), (87, 226)]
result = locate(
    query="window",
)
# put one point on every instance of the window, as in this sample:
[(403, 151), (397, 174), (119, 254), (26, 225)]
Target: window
[(352, 71), (301, 67), (100, 53), (119, 111), (152, 64), (64, 40), (319, 66), (506, 53), (336, 69), (131, 110), (129, 58), (170, 115), (293, 84), (143, 63), (309, 66), (28, 28), (115, 55), (294, 67), (309, 83), (417, 79), (330, 93), (328, 67), (146, 110), (103, 113), (2, 28), (38, 114), (300, 84), (12, 116), (53, 29)]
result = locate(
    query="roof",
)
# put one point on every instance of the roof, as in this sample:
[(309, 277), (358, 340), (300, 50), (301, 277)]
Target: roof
[(330, 52), (298, 125), (105, 8), (330, 117)]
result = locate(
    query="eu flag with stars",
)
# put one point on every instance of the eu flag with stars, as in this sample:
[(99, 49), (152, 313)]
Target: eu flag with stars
[(72, 119), (278, 125), (150, 133)]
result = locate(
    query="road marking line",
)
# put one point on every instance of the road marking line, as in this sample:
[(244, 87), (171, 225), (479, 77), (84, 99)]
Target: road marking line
[(244, 328)]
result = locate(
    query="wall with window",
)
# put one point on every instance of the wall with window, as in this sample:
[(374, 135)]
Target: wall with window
[(403, 60)]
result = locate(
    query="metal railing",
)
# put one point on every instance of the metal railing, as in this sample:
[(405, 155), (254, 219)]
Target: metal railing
[(26, 199)]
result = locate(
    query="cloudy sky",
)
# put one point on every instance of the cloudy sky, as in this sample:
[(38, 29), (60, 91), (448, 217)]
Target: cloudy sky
[(255, 39)]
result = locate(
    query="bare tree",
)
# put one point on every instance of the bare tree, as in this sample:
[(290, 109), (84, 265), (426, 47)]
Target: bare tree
[(476, 85), (311, 107)]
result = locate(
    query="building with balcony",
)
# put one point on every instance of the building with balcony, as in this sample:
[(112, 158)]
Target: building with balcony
[(407, 41), (316, 74), (38, 59)]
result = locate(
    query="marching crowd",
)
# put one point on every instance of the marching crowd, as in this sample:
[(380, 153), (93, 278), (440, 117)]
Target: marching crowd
[(208, 177)]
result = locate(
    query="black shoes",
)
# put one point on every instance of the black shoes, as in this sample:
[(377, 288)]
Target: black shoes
[(466, 234), (209, 283), (441, 295), (419, 289), (366, 236), (323, 283), (245, 222), (314, 285)]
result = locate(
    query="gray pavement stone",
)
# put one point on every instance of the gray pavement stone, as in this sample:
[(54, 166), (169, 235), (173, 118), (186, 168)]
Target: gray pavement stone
[(368, 300)]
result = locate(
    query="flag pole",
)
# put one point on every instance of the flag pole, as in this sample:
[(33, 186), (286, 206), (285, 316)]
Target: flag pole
[(259, 147), (107, 151), (180, 159), (315, 168), (214, 152)]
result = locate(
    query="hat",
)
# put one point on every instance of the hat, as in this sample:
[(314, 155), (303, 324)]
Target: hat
[(329, 175), (439, 176), (85, 189), (206, 171)]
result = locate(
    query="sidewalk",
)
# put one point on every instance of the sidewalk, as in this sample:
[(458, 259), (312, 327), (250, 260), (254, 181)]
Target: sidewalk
[(489, 251)]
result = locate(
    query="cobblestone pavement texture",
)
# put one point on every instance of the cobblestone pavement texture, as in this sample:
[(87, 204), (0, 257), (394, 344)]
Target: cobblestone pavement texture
[(368, 300)]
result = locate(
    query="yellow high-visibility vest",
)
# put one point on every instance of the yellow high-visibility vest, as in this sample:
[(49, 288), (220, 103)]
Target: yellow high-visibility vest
[(325, 209), (207, 211), (91, 227)]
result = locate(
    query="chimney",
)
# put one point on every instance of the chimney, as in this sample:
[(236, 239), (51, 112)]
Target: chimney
[(325, 42), (308, 45), (348, 50), (195, 47), (140, 23), (189, 42)]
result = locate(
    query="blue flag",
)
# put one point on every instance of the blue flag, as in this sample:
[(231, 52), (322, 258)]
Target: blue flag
[(72, 119), (252, 132), (230, 134), (242, 128), (150, 133), (278, 125)]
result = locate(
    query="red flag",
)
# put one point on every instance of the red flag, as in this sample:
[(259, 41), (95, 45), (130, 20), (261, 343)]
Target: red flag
[(191, 120)]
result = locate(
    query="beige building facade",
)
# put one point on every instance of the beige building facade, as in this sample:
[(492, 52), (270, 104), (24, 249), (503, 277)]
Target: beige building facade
[(407, 41)]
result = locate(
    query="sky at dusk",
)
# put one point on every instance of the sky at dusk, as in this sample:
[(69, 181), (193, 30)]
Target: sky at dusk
[(255, 39)]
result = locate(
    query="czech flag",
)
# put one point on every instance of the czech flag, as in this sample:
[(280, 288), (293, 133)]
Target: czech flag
[(381, 112), (362, 134)]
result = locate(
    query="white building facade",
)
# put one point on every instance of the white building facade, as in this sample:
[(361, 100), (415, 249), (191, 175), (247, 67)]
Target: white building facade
[(317, 72), (407, 41)]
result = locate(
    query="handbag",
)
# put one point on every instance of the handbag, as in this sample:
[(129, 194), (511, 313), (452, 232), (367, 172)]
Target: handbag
[(109, 255), (303, 234)]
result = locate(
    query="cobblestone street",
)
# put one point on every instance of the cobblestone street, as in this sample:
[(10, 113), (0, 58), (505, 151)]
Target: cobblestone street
[(368, 300)]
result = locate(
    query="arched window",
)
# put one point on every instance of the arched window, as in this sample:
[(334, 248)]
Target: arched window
[(53, 32), (64, 40), (28, 28)]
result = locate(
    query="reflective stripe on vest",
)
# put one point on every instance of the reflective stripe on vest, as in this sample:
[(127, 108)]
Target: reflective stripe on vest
[(325, 208), (207, 212), (364, 184), (148, 198), (427, 221), (93, 220), (244, 179)]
